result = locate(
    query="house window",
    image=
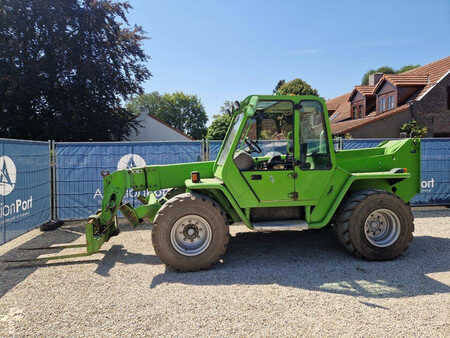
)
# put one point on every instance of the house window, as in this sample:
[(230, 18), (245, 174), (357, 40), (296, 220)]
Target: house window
[(391, 102), (382, 104), (360, 111), (354, 112)]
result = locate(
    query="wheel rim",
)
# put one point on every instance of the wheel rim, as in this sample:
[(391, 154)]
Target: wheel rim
[(191, 235), (382, 228)]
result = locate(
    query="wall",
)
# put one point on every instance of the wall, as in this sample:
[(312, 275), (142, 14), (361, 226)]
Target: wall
[(432, 110), (404, 93), (384, 128)]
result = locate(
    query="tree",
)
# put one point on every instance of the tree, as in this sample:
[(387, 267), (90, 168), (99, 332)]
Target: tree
[(219, 127), (297, 87), (227, 106), (412, 129), (385, 70), (179, 110), (148, 103), (382, 69), (406, 68), (65, 68)]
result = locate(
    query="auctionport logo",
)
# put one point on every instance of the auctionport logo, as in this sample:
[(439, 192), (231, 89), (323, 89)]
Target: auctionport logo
[(130, 161), (7, 175), (427, 185), (12, 209)]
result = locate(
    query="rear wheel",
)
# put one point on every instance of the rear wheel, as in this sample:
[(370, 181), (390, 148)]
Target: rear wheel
[(190, 232), (375, 225)]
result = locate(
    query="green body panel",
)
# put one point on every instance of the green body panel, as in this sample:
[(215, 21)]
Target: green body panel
[(156, 177), (278, 182), (319, 191)]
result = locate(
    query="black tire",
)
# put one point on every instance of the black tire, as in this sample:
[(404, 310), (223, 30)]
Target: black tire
[(185, 205), (351, 219)]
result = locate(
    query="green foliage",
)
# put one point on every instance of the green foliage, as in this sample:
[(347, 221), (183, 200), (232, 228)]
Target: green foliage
[(412, 129), (297, 87), (385, 70), (179, 110), (278, 86), (382, 69), (219, 126), (65, 68), (406, 68)]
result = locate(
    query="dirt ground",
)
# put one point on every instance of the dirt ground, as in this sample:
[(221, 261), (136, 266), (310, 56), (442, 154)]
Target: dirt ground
[(276, 284)]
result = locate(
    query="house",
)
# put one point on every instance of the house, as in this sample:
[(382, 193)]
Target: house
[(153, 129), (339, 108), (379, 109)]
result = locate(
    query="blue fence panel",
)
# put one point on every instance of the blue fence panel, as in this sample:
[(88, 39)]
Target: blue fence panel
[(435, 168), (25, 199), (360, 143), (79, 184), (435, 173), (214, 148)]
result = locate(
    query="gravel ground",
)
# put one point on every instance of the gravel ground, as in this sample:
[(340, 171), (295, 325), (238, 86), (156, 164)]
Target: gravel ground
[(278, 284)]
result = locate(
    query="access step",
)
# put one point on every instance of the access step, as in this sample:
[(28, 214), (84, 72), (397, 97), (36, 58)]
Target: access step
[(289, 225)]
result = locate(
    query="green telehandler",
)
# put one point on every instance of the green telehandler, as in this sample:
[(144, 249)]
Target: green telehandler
[(277, 170)]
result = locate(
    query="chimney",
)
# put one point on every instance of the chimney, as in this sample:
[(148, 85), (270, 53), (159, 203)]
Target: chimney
[(374, 78)]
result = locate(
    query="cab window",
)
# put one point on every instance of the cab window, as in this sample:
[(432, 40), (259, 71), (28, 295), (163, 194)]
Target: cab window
[(266, 142), (314, 150)]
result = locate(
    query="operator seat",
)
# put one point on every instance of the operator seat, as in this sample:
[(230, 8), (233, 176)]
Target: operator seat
[(243, 160)]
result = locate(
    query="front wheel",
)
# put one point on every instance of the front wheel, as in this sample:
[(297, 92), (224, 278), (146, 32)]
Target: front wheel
[(190, 232), (375, 225)]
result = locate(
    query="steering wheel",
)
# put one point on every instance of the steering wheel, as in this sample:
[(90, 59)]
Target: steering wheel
[(253, 146)]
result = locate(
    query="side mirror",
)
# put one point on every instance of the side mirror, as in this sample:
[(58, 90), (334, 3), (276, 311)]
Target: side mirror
[(236, 105)]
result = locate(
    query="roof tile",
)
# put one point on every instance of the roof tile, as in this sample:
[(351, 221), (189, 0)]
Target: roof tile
[(340, 106)]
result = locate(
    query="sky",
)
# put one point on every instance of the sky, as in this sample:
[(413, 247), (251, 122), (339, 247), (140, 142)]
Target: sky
[(227, 50)]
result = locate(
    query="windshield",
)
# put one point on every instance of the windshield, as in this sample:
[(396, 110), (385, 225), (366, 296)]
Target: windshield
[(271, 128), (229, 141)]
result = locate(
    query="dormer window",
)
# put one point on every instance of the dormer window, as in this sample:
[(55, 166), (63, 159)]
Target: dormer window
[(355, 110), (390, 102), (362, 101), (382, 104)]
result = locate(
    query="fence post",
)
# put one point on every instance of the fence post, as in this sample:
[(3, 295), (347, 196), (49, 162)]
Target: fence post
[(53, 175), (206, 150), (204, 146), (2, 219), (54, 222)]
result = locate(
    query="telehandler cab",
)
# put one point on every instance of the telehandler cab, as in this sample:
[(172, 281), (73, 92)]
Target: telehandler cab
[(277, 170)]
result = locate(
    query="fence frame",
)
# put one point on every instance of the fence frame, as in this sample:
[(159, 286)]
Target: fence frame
[(3, 142)]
